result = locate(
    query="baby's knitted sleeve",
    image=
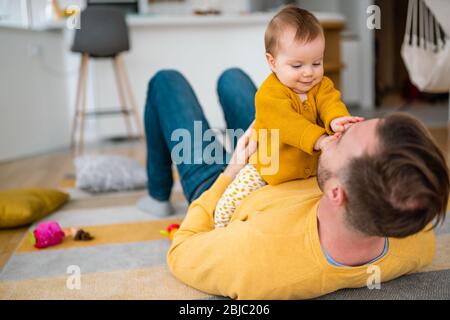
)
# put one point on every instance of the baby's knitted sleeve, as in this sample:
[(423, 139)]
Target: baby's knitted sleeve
[(329, 103)]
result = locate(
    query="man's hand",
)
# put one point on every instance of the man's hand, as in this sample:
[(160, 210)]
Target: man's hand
[(245, 147), (342, 123)]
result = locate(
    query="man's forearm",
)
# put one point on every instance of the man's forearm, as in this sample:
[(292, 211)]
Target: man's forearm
[(199, 217)]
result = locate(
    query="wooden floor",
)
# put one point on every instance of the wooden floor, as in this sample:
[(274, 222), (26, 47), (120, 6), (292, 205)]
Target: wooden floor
[(50, 169), (47, 171)]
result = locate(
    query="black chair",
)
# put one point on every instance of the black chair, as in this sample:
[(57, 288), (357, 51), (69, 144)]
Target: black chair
[(103, 33)]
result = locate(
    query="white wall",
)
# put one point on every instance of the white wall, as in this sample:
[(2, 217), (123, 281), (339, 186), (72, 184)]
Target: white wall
[(351, 89), (226, 7), (15, 11), (33, 93), (357, 49), (200, 53), (320, 5), (39, 75), (366, 65)]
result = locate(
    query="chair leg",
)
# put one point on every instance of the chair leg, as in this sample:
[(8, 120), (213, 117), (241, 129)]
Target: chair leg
[(122, 100), (137, 118), (77, 103), (83, 102), (79, 98)]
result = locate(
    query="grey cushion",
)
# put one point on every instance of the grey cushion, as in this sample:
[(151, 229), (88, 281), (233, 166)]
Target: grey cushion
[(102, 173)]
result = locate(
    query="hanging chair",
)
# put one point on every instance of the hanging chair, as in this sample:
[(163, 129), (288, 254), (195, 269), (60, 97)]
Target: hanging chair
[(426, 45), (441, 11)]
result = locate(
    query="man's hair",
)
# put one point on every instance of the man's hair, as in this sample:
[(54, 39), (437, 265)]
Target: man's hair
[(304, 22), (402, 187)]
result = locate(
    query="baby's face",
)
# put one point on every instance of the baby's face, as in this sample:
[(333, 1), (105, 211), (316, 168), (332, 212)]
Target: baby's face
[(298, 65)]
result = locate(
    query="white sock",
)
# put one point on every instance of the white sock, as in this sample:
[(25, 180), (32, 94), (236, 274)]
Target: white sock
[(155, 207)]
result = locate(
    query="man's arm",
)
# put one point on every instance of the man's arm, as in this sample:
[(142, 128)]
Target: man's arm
[(199, 218), (206, 258)]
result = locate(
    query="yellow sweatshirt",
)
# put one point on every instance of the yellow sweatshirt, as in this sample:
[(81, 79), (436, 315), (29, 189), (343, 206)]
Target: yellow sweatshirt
[(300, 124), (271, 248)]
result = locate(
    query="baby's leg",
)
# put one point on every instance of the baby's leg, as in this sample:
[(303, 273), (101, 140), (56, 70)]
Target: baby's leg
[(247, 181)]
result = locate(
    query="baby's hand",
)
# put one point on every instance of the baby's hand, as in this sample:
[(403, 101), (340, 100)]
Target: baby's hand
[(342, 123), (324, 140)]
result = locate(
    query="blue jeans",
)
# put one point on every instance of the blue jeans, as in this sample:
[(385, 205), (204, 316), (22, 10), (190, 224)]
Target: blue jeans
[(171, 104)]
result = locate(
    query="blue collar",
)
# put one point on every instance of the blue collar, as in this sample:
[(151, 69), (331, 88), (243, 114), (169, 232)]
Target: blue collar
[(337, 264)]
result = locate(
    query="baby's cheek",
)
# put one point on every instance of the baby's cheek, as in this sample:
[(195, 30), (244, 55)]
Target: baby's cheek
[(318, 79), (320, 73)]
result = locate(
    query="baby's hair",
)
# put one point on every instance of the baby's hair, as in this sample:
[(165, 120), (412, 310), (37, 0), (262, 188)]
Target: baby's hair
[(307, 26)]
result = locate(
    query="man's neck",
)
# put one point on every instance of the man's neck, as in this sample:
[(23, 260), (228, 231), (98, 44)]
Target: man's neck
[(344, 245)]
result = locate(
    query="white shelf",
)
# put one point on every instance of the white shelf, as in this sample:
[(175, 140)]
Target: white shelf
[(144, 20)]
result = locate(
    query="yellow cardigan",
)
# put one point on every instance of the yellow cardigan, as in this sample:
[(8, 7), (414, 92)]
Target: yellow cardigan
[(300, 124), (271, 248)]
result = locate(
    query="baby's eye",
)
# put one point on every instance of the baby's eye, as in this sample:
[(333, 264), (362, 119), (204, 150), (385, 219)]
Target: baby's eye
[(317, 64), (296, 66)]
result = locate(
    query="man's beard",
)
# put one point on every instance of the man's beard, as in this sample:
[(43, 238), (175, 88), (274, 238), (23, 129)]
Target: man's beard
[(323, 175)]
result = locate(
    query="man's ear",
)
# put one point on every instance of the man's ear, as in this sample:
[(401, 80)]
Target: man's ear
[(270, 61), (336, 195)]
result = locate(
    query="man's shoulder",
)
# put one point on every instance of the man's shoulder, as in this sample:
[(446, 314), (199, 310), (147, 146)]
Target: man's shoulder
[(309, 185), (285, 202), (418, 248)]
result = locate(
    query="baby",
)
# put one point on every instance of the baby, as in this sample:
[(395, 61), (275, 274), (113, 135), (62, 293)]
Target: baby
[(298, 101)]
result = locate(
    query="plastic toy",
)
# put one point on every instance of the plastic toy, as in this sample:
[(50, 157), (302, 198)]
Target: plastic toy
[(170, 230), (49, 233)]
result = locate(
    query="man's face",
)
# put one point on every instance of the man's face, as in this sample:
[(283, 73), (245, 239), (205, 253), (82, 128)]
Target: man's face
[(358, 139), (299, 65)]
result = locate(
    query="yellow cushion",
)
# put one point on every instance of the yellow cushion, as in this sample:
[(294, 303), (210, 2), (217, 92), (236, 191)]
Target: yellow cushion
[(24, 206)]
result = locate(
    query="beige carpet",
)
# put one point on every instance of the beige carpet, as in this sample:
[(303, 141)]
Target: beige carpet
[(127, 259)]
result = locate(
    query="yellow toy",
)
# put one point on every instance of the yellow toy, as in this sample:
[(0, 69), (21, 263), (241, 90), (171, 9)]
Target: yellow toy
[(170, 231), (63, 13)]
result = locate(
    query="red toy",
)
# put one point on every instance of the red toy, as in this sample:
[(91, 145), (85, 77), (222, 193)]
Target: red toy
[(170, 230)]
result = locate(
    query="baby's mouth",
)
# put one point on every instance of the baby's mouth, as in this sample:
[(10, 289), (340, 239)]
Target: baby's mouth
[(306, 83)]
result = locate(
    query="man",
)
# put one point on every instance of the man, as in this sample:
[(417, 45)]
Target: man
[(379, 186)]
